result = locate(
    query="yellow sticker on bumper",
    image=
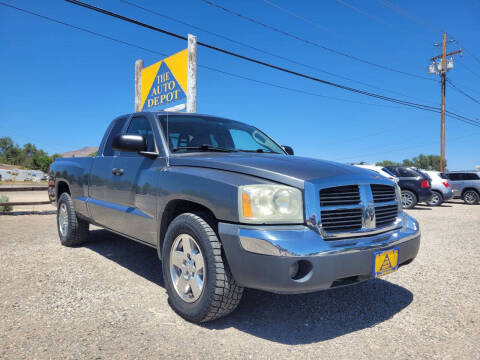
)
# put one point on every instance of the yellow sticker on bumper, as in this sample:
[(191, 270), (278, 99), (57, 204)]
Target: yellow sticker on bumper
[(385, 262)]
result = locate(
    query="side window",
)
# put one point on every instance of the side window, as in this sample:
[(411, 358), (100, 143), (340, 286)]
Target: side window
[(117, 128), (245, 141), (404, 173), (471, 176), (454, 176), (141, 126)]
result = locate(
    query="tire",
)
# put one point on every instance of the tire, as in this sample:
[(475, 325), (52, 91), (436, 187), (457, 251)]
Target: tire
[(471, 197), (201, 267), (437, 199), (71, 230), (409, 199)]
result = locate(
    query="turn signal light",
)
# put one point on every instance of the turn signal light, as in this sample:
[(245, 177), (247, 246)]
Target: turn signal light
[(446, 184), (424, 184)]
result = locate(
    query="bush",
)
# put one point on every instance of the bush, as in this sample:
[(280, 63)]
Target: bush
[(5, 208)]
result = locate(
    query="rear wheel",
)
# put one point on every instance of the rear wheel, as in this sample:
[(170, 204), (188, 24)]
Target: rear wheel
[(198, 281), (471, 197), (71, 230), (409, 199), (436, 200)]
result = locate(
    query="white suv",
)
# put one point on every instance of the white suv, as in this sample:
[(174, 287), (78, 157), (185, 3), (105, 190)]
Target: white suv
[(379, 169), (441, 187)]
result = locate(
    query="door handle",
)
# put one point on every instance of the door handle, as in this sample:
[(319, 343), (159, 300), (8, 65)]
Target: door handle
[(117, 171)]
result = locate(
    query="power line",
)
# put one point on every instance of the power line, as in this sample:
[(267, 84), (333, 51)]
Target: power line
[(409, 15), (413, 105), (262, 50), (469, 70), (379, 20), (256, 61), (462, 92), (275, 67), (324, 28), (424, 23), (202, 66), (403, 148), (337, 52)]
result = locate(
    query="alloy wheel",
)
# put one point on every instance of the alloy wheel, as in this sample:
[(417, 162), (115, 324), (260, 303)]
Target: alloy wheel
[(63, 219), (187, 268), (407, 200), (470, 197)]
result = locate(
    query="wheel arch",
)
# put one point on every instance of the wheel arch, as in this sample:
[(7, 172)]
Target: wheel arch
[(181, 206), (61, 187), (470, 188)]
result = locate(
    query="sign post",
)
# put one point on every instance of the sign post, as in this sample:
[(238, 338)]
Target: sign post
[(138, 85), (192, 74), (170, 84)]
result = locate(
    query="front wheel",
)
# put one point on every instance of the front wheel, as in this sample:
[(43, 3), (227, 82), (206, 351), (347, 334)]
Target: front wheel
[(199, 284), (471, 197), (409, 199), (436, 200)]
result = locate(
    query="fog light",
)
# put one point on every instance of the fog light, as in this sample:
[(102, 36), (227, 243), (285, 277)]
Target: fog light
[(301, 271), (293, 270)]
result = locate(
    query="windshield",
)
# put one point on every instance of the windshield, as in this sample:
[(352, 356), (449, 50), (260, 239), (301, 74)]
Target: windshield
[(198, 133), (388, 172)]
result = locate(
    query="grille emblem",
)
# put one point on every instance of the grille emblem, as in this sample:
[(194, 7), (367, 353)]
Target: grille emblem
[(369, 216)]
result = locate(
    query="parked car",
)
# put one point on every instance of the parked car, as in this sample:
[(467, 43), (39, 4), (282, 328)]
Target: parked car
[(415, 186), (441, 188), (226, 207), (379, 169), (466, 185)]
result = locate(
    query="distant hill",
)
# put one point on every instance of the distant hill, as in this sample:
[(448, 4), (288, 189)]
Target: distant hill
[(85, 151), (9, 167)]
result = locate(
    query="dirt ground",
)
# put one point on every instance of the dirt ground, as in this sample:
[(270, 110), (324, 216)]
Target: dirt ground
[(106, 300)]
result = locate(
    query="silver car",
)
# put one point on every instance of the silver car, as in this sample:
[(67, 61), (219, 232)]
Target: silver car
[(466, 185), (441, 187)]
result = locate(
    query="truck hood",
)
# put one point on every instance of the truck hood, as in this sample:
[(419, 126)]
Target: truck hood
[(291, 170)]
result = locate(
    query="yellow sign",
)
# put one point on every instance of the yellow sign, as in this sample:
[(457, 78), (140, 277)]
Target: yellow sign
[(385, 262), (165, 82)]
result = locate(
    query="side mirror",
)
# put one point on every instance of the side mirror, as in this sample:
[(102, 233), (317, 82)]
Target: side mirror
[(288, 149), (129, 143)]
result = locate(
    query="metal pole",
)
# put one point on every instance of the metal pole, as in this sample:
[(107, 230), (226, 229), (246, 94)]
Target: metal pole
[(192, 74), (442, 117), (138, 85)]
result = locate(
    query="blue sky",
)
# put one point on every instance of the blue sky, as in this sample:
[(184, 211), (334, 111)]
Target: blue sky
[(61, 87)]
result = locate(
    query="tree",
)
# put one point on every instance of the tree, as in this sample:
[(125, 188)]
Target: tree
[(387, 163), (29, 156), (427, 162)]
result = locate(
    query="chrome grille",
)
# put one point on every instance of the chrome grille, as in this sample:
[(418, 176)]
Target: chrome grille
[(356, 210), (340, 195), (382, 193), (385, 215), (342, 220)]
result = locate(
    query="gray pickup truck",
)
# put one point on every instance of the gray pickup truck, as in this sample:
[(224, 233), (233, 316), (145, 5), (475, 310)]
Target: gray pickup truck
[(226, 207)]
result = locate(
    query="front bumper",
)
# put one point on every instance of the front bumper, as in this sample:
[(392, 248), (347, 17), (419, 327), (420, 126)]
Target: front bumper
[(262, 257)]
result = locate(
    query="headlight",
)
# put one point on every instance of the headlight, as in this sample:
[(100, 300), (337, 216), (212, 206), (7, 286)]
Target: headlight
[(271, 204)]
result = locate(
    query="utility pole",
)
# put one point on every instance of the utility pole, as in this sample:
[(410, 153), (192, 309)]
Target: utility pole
[(441, 68)]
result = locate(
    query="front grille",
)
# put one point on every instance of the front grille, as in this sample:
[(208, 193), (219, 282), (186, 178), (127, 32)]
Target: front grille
[(340, 195), (383, 193), (385, 215), (342, 220)]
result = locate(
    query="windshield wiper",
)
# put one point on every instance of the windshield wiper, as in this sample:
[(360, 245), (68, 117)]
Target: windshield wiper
[(260, 151), (204, 147)]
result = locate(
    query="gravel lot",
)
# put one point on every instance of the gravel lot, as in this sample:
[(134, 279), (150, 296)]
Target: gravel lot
[(106, 300)]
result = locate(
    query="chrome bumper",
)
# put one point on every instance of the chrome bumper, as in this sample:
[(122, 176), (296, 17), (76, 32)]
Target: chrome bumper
[(262, 256)]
